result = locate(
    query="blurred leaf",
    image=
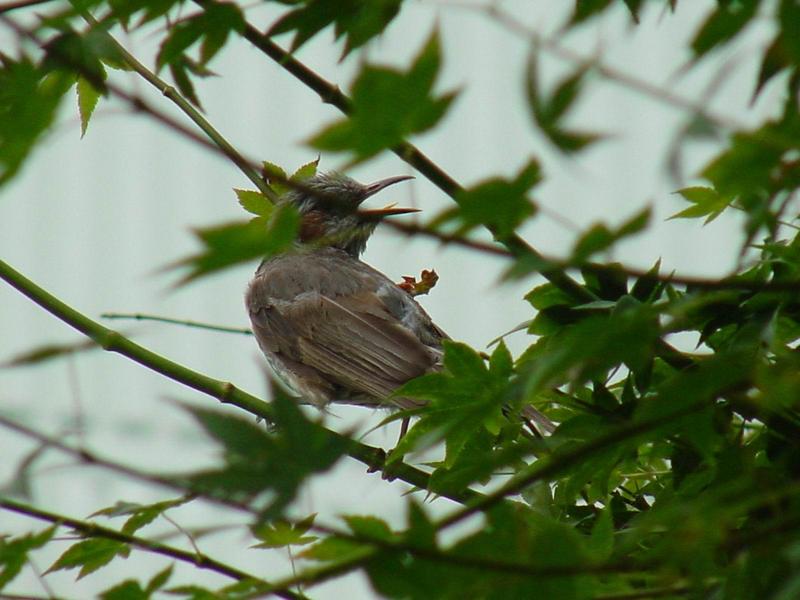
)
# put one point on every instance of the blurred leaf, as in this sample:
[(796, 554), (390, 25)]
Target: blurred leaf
[(599, 237), (48, 352), (90, 555), (723, 24), (585, 9), (280, 533), (14, 552), (127, 590), (387, 106), (548, 112), (27, 109), (369, 527), (334, 549), (139, 514), (212, 26), (233, 243), (180, 75), (357, 20), (499, 204), (258, 462)]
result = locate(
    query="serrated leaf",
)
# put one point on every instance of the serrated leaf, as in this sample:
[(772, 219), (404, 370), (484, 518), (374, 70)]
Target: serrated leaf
[(357, 20), (706, 202), (466, 397), (88, 96), (500, 204), (388, 105), (212, 26), (600, 238), (90, 555), (178, 70), (139, 515), (280, 533), (232, 243), (254, 202), (256, 462), (28, 104), (306, 171), (14, 552), (547, 112)]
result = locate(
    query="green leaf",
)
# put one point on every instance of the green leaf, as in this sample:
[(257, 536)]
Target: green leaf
[(159, 580), (14, 552), (600, 238), (369, 527), (212, 26), (230, 244), (48, 352), (256, 462), (357, 20), (585, 9), (254, 202), (280, 533), (306, 171), (730, 17), (28, 104), (179, 71), (90, 555), (463, 399), (388, 105), (88, 96), (334, 549), (502, 205), (139, 514), (588, 349), (600, 544), (705, 201), (548, 112), (127, 590)]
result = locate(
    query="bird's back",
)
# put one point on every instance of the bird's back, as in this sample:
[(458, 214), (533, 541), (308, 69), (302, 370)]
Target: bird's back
[(339, 330)]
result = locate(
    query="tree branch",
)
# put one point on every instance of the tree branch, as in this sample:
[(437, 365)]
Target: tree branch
[(225, 392), (89, 529)]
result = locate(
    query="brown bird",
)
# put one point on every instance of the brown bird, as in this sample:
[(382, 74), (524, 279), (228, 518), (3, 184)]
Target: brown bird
[(332, 327)]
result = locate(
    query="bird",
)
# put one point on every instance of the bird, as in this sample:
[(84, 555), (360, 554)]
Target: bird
[(333, 328)]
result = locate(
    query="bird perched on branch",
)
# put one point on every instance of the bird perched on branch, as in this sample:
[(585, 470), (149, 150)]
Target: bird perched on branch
[(331, 326)]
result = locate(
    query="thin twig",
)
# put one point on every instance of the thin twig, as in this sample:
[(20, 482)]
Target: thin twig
[(195, 324), (225, 392), (90, 529)]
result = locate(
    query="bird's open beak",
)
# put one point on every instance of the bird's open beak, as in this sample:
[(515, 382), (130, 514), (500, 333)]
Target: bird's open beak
[(380, 213), (374, 188)]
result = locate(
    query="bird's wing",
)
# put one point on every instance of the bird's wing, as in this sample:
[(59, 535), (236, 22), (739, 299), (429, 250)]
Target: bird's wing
[(352, 340)]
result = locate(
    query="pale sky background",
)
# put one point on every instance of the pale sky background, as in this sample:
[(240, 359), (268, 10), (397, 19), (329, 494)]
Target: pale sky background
[(94, 220)]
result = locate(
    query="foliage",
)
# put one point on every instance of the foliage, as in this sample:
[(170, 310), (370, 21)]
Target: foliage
[(671, 473)]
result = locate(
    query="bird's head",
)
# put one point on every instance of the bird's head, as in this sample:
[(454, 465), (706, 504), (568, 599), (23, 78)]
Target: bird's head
[(331, 214)]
